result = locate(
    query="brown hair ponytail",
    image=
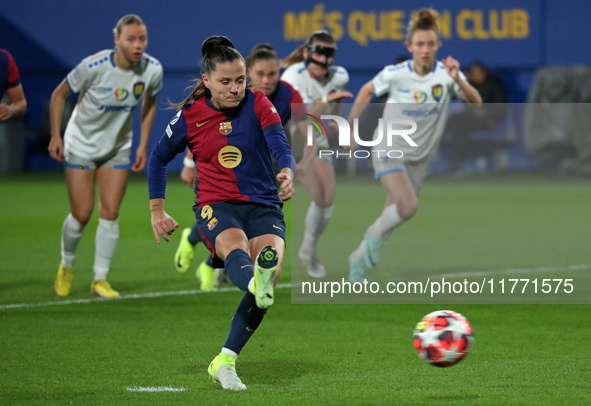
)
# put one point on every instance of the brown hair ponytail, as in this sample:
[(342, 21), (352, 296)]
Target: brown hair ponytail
[(215, 49)]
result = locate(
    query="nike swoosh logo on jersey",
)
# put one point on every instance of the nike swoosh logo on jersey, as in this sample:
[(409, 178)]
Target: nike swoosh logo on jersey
[(203, 123), (274, 226)]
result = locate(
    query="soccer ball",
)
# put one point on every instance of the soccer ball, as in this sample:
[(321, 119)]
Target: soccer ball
[(443, 338)]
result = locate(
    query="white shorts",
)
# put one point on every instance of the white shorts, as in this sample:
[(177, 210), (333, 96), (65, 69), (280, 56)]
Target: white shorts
[(416, 170), (118, 160)]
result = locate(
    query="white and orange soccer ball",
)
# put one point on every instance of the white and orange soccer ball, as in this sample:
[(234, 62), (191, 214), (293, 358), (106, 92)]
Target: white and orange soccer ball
[(443, 338)]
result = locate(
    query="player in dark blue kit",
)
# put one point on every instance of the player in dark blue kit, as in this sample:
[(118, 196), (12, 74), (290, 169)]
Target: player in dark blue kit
[(231, 132), (11, 84), (263, 68)]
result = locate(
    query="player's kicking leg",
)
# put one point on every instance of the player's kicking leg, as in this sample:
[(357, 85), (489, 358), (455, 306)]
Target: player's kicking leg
[(223, 370), (264, 275)]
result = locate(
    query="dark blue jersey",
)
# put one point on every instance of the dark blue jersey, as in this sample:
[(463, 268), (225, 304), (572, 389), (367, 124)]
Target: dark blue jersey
[(9, 76), (283, 97), (230, 148)]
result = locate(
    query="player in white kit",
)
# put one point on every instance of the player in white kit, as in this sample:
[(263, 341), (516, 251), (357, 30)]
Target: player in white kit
[(311, 72), (97, 142), (418, 90)]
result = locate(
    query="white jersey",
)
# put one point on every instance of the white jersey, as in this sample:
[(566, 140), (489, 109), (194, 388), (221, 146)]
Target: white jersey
[(312, 90), (423, 99), (101, 123)]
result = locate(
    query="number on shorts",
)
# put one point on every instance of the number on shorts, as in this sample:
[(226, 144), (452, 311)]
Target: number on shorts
[(207, 212)]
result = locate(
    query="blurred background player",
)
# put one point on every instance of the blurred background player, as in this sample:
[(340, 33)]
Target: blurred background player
[(310, 70), (262, 67), (232, 132), (431, 84), (98, 139), (374, 110), (11, 84)]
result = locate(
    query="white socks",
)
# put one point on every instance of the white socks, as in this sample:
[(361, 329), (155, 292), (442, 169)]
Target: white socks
[(384, 225), (230, 352), (382, 229), (72, 232), (107, 236), (317, 219)]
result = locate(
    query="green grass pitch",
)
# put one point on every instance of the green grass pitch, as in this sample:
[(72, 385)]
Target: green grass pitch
[(61, 351)]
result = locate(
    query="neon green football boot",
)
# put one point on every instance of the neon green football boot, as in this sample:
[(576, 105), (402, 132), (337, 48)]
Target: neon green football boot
[(206, 275), (264, 273), (223, 370), (184, 253)]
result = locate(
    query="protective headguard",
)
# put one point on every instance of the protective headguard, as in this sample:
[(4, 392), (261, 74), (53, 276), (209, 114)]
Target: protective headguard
[(327, 52)]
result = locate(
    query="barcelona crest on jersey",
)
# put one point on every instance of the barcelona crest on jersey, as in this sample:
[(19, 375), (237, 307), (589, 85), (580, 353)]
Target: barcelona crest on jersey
[(212, 223), (226, 127), (138, 89), (437, 92)]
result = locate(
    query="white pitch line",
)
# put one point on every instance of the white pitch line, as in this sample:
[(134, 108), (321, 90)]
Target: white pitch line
[(154, 389), (124, 297), (288, 285), (516, 271)]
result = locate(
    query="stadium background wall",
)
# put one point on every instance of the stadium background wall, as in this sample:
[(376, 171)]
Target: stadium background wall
[(512, 37)]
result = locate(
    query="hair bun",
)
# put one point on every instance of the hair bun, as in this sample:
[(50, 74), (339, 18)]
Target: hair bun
[(428, 16), (214, 42), (262, 47)]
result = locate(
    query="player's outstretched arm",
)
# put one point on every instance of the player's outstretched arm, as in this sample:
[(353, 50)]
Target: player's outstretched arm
[(148, 115), (285, 179), (319, 106), (467, 91), (56, 108), (162, 224)]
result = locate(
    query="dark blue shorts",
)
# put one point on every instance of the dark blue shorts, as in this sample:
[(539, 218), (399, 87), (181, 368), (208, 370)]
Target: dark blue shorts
[(252, 218)]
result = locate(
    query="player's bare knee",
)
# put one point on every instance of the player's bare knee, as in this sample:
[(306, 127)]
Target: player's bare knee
[(324, 199), (236, 245), (407, 210), (110, 215), (325, 202), (81, 216)]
